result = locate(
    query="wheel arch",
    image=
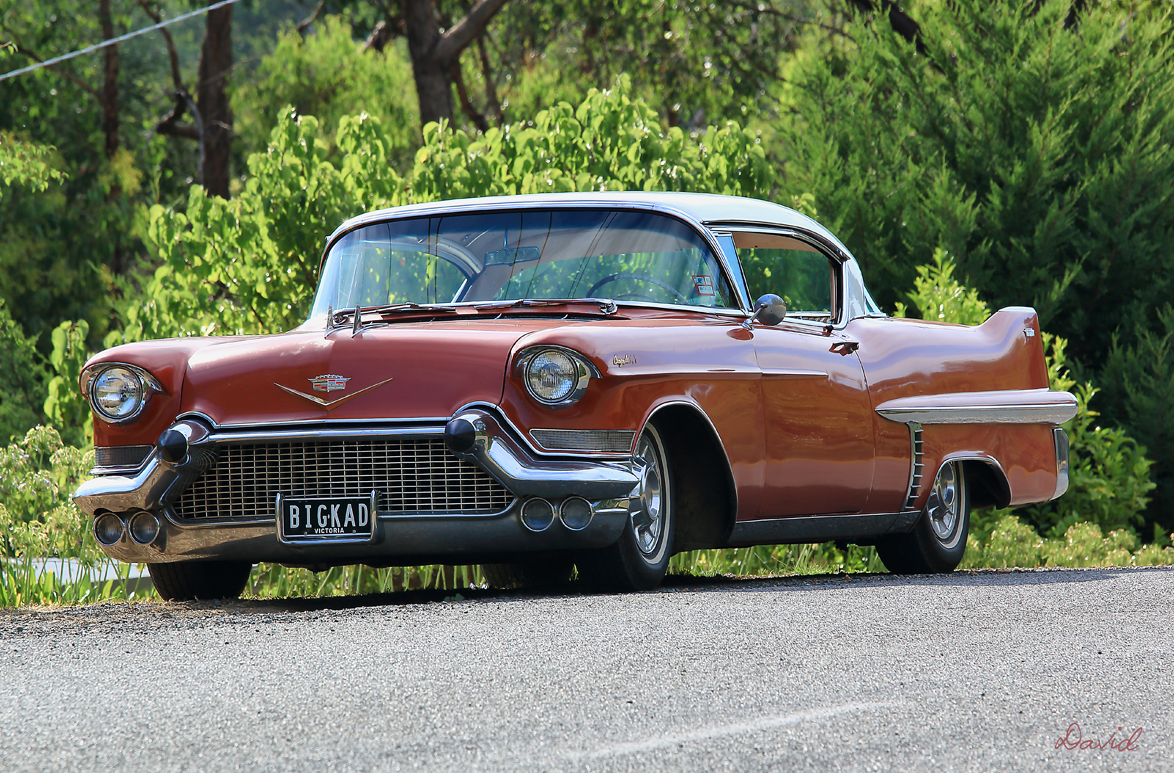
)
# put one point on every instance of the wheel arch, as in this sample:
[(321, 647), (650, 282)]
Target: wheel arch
[(986, 480), (706, 497)]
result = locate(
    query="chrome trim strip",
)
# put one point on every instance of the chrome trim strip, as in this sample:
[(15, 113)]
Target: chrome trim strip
[(1060, 437), (812, 528), (792, 373), (1002, 406), (916, 464), (326, 433), (311, 422), (982, 414)]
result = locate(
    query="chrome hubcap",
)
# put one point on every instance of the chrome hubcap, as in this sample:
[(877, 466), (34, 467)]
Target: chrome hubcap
[(646, 506), (944, 506)]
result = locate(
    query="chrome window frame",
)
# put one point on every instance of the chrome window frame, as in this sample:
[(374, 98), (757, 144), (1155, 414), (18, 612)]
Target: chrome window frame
[(841, 259)]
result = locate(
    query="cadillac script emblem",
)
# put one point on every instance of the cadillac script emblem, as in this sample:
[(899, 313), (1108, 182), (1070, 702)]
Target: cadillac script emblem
[(328, 383)]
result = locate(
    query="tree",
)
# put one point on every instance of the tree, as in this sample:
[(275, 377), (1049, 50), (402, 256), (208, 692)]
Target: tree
[(210, 111), (435, 44)]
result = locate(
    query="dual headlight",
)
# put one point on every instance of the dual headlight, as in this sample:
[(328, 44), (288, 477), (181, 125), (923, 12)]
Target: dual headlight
[(118, 393), (555, 376)]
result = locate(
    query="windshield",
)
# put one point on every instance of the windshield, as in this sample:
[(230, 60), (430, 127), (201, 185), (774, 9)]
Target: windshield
[(539, 254)]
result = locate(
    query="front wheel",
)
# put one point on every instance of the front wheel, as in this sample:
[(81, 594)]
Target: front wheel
[(640, 558), (205, 580), (938, 539)]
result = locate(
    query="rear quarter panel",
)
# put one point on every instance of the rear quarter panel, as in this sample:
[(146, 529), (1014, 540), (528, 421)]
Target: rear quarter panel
[(906, 358)]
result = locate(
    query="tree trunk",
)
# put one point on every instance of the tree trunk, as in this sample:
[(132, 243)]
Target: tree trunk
[(108, 97), (212, 99), (435, 54), (433, 87), (109, 94)]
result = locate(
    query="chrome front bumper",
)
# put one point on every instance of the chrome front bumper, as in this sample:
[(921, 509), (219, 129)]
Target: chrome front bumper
[(475, 435)]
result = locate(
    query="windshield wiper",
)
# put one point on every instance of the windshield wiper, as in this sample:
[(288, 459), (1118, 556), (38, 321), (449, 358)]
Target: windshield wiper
[(606, 305), (356, 313), (396, 308)]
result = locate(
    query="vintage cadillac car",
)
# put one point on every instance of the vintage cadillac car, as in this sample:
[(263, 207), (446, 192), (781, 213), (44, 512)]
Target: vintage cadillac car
[(537, 383)]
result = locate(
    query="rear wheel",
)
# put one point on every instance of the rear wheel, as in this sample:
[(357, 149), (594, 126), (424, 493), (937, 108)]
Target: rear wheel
[(640, 558), (190, 580), (938, 539), (539, 573)]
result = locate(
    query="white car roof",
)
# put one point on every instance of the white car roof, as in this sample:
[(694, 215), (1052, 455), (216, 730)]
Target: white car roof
[(703, 208)]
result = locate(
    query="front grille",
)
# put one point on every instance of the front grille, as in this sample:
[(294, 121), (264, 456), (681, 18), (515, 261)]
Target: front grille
[(120, 456), (411, 476), (599, 440)]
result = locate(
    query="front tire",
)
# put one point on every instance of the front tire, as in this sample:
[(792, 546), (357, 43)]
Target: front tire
[(640, 558), (937, 541), (203, 580)]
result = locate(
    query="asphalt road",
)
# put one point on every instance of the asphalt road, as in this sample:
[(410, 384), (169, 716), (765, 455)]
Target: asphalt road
[(979, 671)]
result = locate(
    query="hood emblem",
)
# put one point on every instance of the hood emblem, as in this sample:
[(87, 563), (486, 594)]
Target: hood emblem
[(329, 383)]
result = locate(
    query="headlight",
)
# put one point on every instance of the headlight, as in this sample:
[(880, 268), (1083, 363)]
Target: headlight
[(118, 393), (555, 376)]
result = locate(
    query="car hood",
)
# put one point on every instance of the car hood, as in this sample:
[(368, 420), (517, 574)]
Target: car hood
[(417, 371)]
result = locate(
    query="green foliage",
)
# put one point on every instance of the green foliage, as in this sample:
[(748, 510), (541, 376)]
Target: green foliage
[(249, 265), (1139, 390), (823, 558), (37, 475), (1013, 543), (65, 406), (25, 164), (939, 297), (1037, 156), (20, 400), (328, 75)]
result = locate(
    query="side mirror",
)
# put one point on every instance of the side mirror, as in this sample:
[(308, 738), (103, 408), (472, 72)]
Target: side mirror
[(770, 310)]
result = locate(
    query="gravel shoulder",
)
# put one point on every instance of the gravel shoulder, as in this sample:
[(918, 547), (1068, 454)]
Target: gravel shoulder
[(970, 671)]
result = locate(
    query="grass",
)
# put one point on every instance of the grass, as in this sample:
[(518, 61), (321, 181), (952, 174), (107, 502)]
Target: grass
[(23, 583)]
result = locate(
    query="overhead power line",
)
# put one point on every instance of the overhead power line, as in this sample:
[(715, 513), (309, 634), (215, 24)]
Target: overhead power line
[(113, 41)]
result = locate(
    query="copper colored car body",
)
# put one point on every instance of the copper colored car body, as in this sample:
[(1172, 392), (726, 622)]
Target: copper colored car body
[(694, 416)]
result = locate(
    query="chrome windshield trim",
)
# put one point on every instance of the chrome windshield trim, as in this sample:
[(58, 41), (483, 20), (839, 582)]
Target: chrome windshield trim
[(469, 206)]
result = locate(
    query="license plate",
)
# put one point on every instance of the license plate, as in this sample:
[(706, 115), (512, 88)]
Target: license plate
[(324, 519)]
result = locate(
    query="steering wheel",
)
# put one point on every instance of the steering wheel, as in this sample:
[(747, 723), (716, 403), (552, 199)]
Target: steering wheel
[(641, 277)]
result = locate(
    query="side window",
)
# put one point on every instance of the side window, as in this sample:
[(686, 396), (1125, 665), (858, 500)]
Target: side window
[(806, 279)]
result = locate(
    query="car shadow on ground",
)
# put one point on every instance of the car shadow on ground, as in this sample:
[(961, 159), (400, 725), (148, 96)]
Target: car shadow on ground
[(678, 583), (13, 618)]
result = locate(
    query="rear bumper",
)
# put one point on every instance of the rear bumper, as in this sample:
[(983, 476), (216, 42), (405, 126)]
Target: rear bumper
[(1061, 440), (400, 538)]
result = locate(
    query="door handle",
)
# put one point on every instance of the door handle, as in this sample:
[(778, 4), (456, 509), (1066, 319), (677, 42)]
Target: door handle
[(845, 348)]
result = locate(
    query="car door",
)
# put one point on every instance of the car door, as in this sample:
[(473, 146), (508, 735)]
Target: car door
[(817, 413)]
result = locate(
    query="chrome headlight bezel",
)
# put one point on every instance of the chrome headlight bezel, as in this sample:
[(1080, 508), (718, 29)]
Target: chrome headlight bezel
[(148, 385), (584, 371)]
